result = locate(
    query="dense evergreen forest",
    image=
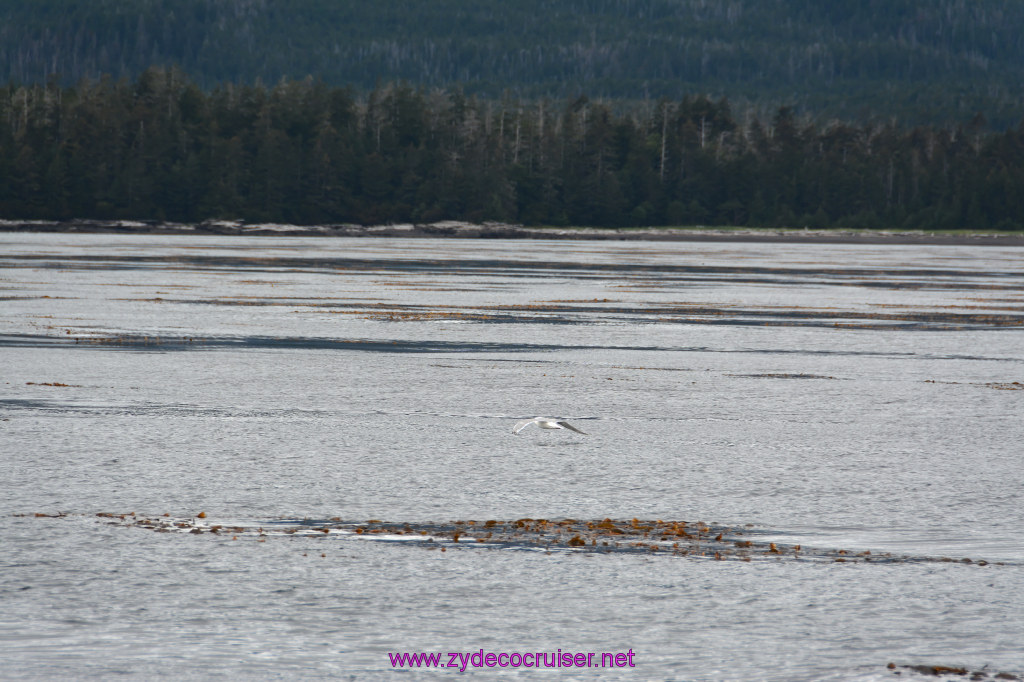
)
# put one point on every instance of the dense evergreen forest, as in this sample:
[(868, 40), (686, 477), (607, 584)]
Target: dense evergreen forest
[(162, 147), (921, 61)]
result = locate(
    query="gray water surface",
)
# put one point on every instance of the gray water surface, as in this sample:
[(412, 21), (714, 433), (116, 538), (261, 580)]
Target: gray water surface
[(837, 396)]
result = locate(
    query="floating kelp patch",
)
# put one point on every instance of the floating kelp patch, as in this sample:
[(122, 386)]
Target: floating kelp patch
[(604, 536), (997, 385), (1006, 386), (952, 671)]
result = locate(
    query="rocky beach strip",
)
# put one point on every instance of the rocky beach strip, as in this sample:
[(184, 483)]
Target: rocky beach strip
[(493, 230)]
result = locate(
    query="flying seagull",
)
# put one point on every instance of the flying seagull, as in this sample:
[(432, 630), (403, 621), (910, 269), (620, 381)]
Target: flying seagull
[(546, 423)]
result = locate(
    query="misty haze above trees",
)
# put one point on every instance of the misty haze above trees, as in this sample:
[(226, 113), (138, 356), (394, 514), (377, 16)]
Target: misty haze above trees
[(858, 60)]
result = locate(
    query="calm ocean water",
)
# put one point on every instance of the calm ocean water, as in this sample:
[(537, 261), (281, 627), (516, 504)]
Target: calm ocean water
[(832, 396)]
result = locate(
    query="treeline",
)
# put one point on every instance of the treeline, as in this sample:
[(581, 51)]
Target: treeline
[(927, 62), (303, 152)]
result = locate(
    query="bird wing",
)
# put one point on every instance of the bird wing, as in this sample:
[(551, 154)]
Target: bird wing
[(522, 425), (567, 425)]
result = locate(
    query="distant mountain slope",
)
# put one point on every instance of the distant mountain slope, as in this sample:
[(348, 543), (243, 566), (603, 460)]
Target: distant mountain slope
[(922, 61)]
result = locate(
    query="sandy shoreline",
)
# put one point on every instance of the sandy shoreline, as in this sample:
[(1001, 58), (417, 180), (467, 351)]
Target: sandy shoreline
[(454, 229)]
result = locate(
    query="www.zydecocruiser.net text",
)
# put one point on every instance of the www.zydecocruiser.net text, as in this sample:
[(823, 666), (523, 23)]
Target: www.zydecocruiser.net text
[(462, 660)]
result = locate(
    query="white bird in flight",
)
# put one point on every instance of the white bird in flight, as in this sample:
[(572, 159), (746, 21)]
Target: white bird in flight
[(546, 423)]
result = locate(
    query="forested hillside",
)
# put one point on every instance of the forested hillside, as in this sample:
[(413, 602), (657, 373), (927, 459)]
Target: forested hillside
[(303, 152), (923, 61)]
